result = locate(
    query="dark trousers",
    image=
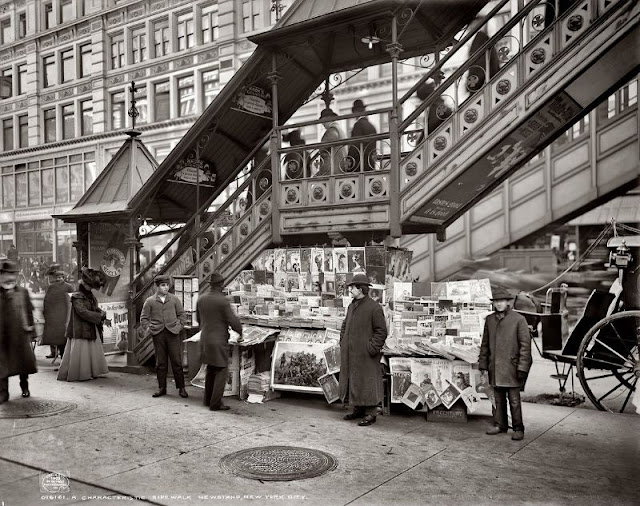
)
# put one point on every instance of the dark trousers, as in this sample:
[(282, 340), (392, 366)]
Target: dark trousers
[(4, 386), (500, 413), (214, 383), (167, 344)]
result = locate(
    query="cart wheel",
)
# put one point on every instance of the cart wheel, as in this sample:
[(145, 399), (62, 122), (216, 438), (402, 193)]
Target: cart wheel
[(608, 363)]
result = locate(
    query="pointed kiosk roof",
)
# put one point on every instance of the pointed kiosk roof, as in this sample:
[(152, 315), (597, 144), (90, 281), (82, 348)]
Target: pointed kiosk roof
[(110, 194)]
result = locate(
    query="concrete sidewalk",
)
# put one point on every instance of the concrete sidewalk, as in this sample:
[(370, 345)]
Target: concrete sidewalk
[(119, 443)]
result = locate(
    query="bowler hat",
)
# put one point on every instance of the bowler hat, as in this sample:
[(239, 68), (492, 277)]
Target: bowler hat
[(359, 279), (425, 89), (60, 273), (9, 266), (358, 106), (294, 137), (162, 278), (216, 279), (92, 278), (501, 294), (328, 113)]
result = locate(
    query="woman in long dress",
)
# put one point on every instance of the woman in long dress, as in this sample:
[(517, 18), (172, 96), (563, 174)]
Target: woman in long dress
[(83, 357)]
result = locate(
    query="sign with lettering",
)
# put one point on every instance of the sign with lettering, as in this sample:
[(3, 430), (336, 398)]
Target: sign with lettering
[(500, 161), (253, 100), (116, 336)]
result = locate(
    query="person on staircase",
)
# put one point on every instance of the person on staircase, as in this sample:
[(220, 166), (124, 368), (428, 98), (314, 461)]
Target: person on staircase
[(16, 330), (362, 336), (332, 133), (164, 317), (362, 128), (505, 353)]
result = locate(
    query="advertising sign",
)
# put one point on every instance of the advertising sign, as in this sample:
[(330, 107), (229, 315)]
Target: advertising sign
[(116, 335), (501, 159), (253, 100), (108, 253)]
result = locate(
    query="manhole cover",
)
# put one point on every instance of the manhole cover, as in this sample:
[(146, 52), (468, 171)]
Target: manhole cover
[(278, 463), (32, 408)]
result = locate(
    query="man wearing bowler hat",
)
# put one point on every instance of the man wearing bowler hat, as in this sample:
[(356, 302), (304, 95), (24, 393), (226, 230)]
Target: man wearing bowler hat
[(215, 317), (363, 334), (362, 128), (506, 354), (164, 316)]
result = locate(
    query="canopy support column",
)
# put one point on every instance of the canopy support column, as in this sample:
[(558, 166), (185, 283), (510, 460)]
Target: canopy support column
[(394, 49), (274, 147), (132, 339)]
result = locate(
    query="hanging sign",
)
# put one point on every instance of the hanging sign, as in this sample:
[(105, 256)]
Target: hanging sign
[(253, 100), (193, 171)]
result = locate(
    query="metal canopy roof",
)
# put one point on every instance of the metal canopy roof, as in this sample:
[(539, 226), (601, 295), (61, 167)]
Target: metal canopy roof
[(120, 180), (307, 50)]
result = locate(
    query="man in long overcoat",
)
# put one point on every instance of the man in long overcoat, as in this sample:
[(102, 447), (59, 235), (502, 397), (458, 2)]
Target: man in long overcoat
[(215, 317), (16, 329), (363, 334), (506, 354), (361, 128), (56, 314)]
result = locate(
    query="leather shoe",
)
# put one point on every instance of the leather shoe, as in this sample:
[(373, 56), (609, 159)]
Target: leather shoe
[(183, 393), (354, 415), (367, 420), (26, 393), (495, 430), (50, 356), (160, 392), (220, 408), (518, 435)]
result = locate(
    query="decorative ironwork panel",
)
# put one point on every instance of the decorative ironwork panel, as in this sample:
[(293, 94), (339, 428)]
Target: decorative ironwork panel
[(605, 5), (318, 192), (263, 210), (291, 194), (504, 85), (293, 166), (243, 230), (413, 167), (441, 140), (471, 115), (346, 190), (575, 23), (538, 55), (376, 186)]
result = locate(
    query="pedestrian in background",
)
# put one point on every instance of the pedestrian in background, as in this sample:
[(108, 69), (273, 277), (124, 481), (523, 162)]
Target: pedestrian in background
[(215, 316), (332, 133), (56, 307), (164, 316), (16, 331), (362, 128), (363, 334), (83, 357), (506, 354)]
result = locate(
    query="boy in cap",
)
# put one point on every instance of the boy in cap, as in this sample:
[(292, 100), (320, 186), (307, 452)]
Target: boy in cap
[(506, 354), (363, 334), (164, 316)]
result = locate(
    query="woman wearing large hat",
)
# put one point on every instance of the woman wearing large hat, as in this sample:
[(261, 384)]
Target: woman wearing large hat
[(83, 357)]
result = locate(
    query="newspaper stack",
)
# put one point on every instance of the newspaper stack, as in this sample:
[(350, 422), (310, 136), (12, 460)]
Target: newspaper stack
[(259, 383)]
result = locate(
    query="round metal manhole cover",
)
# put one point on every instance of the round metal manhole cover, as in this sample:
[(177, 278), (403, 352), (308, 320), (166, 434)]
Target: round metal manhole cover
[(33, 408), (278, 463)]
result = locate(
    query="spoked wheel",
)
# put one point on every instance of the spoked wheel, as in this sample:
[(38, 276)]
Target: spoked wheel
[(608, 364)]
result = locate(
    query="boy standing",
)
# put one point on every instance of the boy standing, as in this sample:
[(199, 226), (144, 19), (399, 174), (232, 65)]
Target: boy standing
[(164, 316), (506, 354)]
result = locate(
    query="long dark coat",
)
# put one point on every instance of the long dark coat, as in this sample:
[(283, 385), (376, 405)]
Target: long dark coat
[(363, 334), (361, 128), (215, 317), (86, 316), (16, 317), (505, 349), (56, 313)]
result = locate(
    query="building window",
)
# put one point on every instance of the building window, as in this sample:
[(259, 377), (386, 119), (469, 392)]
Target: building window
[(66, 10), (7, 134), (86, 120), (68, 66), (6, 83), (21, 187), (185, 31), (34, 187), (161, 105), (68, 122), (117, 51), (22, 79), (49, 125), (142, 104), (250, 15), (22, 25), (5, 31), (23, 131), (186, 96), (629, 95), (209, 24), (580, 128), (49, 75), (49, 19), (62, 180), (76, 174), (138, 45), (85, 60), (8, 192), (210, 85), (161, 38), (117, 110), (89, 169), (6, 237)]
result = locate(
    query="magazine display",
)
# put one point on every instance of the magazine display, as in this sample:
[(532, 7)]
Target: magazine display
[(330, 387)]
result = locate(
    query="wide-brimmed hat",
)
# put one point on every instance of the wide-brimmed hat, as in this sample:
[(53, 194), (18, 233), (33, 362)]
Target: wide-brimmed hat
[(500, 294), (358, 106), (328, 113), (216, 279), (359, 279), (162, 278), (294, 137), (92, 278), (9, 266)]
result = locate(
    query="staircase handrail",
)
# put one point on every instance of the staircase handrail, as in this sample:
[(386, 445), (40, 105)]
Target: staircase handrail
[(469, 62), (339, 142), (382, 110), (202, 209)]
